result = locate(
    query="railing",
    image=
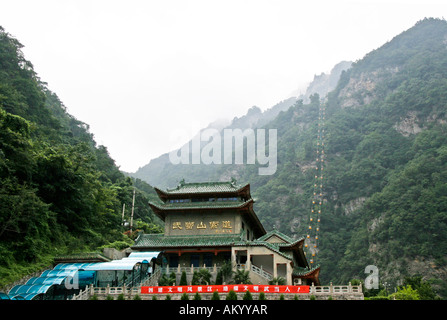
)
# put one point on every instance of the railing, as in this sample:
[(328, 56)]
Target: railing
[(153, 279), (129, 293), (331, 289), (105, 291), (259, 271), (190, 269)]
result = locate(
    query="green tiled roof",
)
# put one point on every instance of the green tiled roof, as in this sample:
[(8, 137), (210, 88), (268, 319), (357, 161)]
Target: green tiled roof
[(205, 187), (279, 234), (201, 205), (162, 241), (299, 271)]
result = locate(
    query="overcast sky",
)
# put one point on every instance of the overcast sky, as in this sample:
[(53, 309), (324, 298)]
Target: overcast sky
[(140, 72)]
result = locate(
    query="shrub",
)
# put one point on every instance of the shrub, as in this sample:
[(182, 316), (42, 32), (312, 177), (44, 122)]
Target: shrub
[(247, 296), (215, 296), (184, 296), (183, 281), (197, 296), (231, 295)]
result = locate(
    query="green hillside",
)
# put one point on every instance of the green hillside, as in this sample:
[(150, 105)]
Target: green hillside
[(60, 193), (385, 183)]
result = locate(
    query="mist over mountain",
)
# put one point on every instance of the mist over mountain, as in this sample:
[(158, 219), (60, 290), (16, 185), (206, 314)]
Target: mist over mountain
[(161, 173)]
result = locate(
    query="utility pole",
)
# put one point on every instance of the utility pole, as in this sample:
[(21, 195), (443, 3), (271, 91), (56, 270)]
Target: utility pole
[(133, 204), (122, 218)]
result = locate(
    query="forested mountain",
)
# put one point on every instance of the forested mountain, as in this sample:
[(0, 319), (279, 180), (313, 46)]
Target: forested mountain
[(60, 193), (385, 174), (385, 179)]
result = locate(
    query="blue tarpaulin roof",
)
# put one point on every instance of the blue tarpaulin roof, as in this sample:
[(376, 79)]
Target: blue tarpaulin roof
[(84, 271), (48, 278), (29, 288), (127, 263)]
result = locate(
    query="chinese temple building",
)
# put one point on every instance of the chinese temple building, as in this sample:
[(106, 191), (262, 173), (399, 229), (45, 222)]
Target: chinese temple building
[(207, 224)]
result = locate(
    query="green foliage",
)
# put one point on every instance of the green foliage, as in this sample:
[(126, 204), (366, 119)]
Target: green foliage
[(60, 193), (424, 289), (184, 296), (201, 277), (231, 295), (197, 296), (219, 278), (262, 296), (278, 281), (183, 281), (247, 296), (406, 293), (215, 296), (241, 277), (121, 297), (164, 280), (226, 272)]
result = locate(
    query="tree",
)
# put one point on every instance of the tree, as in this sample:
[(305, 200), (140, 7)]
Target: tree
[(183, 281), (215, 296), (219, 278), (423, 288), (231, 295), (278, 281), (247, 296), (227, 271), (201, 277), (197, 296), (241, 277), (184, 296), (406, 293)]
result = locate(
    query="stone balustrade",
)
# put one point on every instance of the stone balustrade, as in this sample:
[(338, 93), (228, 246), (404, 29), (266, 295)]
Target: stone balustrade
[(335, 292)]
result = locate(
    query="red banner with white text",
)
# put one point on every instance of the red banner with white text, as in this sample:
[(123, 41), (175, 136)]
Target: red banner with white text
[(253, 288)]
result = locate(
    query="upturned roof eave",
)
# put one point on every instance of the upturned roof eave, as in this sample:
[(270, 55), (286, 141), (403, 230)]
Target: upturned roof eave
[(175, 193)]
